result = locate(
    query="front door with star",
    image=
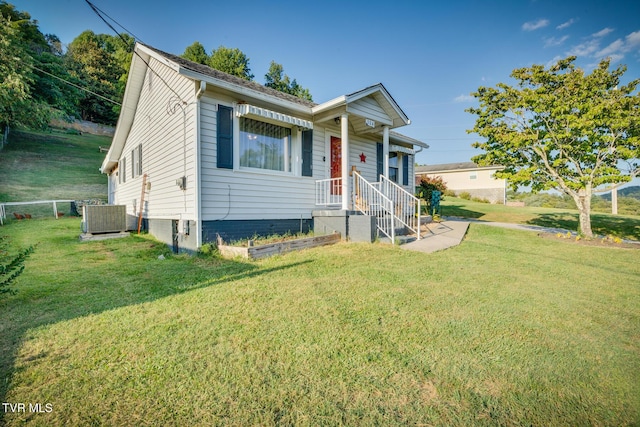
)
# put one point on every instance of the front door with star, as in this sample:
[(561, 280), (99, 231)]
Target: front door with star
[(336, 164)]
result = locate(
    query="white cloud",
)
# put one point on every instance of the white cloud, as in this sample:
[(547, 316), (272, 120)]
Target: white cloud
[(463, 98), (602, 32), (585, 49), (612, 49), (535, 25), (633, 40), (567, 24), (617, 49), (552, 41)]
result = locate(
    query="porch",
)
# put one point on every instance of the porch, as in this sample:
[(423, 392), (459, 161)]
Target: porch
[(388, 208)]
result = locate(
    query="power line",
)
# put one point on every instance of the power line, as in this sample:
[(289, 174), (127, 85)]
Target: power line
[(96, 9), (76, 86), (99, 13)]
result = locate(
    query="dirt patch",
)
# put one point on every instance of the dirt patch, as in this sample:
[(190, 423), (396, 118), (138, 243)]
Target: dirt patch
[(607, 242)]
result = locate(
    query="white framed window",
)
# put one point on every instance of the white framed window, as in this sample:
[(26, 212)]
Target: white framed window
[(264, 146), (393, 167), (473, 175)]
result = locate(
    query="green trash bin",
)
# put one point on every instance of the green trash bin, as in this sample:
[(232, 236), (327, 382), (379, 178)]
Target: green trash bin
[(435, 202)]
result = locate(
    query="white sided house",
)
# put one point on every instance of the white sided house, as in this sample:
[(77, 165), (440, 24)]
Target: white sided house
[(478, 181), (222, 156)]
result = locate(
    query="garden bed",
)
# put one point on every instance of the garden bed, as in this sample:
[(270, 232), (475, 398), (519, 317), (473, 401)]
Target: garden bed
[(270, 249)]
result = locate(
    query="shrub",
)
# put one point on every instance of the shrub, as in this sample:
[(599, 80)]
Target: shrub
[(465, 195), (11, 266), (480, 200)]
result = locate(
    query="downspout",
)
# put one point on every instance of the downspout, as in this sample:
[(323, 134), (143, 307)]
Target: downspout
[(199, 93)]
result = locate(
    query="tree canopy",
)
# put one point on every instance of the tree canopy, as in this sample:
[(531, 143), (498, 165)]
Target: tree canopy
[(562, 129), (40, 77), (231, 61), (276, 79), (196, 53), (15, 76), (101, 62)]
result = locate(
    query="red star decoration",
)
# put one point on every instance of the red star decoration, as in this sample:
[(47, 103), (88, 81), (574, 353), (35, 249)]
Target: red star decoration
[(363, 158)]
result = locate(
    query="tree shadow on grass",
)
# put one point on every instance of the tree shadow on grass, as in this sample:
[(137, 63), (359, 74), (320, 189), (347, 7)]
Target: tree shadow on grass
[(619, 226), (84, 289), (561, 220), (459, 211)]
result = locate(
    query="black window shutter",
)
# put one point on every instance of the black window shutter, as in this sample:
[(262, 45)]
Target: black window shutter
[(307, 152), (380, 159), (405, 170), (140, 159), (225, 137)]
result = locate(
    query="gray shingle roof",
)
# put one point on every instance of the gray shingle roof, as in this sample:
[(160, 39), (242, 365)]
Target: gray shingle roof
[(452, 167), (216, 74)]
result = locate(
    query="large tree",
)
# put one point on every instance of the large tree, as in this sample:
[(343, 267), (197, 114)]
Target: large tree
[(45, 60), (15, 76), (278, 80), (560, 128), (231, 61), (196, 53), (92, 59)]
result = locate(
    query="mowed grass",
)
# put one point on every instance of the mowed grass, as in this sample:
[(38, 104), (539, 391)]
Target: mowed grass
[(52, 165), (623, 226), (505, 329)]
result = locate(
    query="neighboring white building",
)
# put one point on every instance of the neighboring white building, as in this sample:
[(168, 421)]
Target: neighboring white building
[(225, 156), (468, 177)]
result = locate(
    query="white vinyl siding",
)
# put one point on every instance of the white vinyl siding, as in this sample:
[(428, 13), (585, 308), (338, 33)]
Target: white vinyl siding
[(367, 108), (163, 137), (251, 194)]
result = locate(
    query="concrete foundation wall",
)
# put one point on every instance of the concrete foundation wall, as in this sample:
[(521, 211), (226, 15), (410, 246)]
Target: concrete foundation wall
[(231, 230), (351, 225), (162, 229)]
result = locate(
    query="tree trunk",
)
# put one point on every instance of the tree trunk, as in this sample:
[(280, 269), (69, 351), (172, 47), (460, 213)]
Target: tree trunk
[(583, 201)]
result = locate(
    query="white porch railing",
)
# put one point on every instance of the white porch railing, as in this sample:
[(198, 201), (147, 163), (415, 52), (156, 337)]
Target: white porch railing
[(329, 192), (407, 206), (370, 201)]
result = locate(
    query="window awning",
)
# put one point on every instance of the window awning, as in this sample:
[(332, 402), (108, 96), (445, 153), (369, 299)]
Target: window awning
[(401, 149), (252, 111)]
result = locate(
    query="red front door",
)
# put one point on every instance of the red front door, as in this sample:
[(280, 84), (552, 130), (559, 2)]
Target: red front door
[(336, 164)]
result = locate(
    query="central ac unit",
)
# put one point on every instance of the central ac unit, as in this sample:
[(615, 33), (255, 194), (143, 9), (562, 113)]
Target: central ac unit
[(104, 219)]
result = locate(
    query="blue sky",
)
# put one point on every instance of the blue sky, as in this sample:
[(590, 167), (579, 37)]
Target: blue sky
[(429, 55)]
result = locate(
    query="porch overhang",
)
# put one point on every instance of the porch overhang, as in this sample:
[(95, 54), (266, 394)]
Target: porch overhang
[(370, 110)]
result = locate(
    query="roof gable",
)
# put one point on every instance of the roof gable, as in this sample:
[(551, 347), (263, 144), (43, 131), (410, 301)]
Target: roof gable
[(374, 100)]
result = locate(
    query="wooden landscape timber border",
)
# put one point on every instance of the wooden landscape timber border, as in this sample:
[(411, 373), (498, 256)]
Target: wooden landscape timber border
[(270, 249)]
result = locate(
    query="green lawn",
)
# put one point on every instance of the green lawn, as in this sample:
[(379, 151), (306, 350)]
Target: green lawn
[(623, 226), (52, 165), (505, 329)]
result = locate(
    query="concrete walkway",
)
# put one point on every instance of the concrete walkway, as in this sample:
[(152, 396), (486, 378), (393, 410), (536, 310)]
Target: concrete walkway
[(439, 236), (451, 231)]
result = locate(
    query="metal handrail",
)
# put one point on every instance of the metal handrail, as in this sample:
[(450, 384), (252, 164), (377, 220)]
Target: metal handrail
[(370, 201), (329, 192), (407, 206)]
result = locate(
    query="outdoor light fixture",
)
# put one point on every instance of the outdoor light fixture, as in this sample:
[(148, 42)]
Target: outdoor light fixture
[(337, 120)]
